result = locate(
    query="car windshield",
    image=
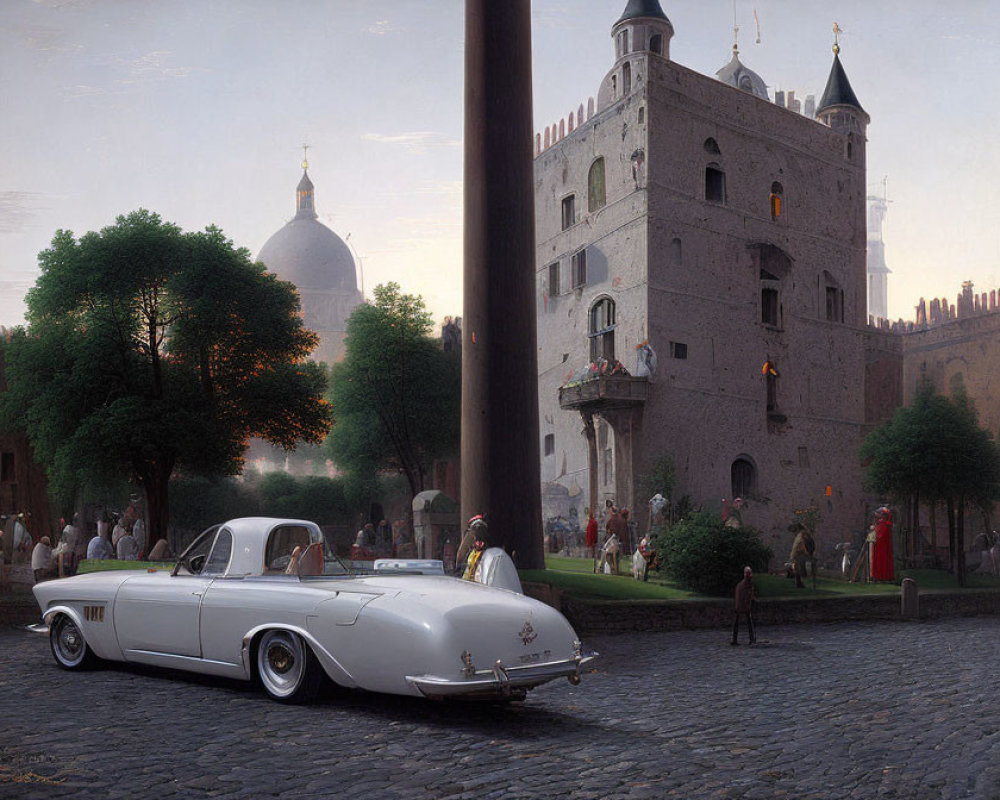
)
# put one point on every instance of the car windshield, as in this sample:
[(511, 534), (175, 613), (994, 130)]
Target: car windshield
[(192, 560)]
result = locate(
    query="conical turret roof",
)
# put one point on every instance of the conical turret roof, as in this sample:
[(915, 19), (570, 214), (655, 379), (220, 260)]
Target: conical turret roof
[(642, 8), (838, 91)]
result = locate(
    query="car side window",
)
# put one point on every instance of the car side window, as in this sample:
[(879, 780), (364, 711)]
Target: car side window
[(280, 544), (218, 561)]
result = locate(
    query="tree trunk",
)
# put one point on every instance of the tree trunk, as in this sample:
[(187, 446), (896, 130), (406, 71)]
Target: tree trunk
[(154, 478), (950, 507), (933, 510), (960, 542)]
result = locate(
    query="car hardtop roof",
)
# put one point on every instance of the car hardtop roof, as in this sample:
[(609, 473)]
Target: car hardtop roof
[(250, 536)]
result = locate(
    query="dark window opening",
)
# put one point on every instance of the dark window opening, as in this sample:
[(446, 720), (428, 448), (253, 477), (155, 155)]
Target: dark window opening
[(678, 350), (834, 304), (626, 78), (676, 252), (550, 444), (711, 146), (771, 382), (656, 44), (642, 114), (744, 478), (553, 279), (596, 193), (715, 185), (568, 211), (7, 467), (770, 299), (602, 330), (579, 269)]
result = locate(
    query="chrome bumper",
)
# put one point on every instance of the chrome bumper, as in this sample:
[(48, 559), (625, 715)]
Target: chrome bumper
[(501, 680)]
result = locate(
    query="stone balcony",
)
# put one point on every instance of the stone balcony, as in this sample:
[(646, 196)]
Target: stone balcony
[(604, 392)]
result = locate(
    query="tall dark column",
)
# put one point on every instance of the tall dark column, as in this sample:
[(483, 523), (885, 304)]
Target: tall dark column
[(500, 457)]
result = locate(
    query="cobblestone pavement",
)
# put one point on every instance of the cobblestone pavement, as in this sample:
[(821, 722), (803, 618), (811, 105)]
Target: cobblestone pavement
[(862, 710)]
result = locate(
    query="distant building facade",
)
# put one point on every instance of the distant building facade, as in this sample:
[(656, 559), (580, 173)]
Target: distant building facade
[(713, 244), (319, 264)]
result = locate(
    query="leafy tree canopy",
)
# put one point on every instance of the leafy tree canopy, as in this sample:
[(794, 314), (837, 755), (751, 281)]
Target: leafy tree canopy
[(396, 396), (150, 350), (933, 447)]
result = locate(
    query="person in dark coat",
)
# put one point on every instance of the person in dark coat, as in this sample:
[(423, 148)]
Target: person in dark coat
[(744, 603)]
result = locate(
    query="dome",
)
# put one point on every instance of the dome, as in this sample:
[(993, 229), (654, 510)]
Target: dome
[(735, 74), (310, 255)]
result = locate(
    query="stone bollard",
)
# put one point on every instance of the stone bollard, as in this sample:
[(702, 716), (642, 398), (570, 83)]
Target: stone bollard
[(909, 599)]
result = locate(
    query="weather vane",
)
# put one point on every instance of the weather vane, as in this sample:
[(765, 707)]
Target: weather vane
[(837, 30), (305, 156)]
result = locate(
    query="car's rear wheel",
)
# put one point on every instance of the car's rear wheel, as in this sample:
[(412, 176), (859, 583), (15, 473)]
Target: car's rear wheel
[(69, 648), (287, 668)]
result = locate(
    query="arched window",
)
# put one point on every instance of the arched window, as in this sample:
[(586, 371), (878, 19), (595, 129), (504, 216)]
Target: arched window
[(596, 196), (712, 146), (715, 184), (676, 253), (743, 477), (775, 199), (626, 78), (656, 44), (602, 330)]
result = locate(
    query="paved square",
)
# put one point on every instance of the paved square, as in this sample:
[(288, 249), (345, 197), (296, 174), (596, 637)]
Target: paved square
[(879, 710)]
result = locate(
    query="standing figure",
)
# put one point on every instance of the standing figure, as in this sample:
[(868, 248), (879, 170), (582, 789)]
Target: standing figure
[(744, 604), (617, 527), (591, 533), (882, 552), (803, 548)]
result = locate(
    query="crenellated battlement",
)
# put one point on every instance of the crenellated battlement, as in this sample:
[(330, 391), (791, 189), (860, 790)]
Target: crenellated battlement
[(939, 311), (562, 128)]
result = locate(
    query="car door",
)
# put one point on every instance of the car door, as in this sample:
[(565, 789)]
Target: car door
[(160, 613)]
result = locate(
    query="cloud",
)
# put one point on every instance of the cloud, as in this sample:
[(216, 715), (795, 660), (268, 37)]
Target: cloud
[(17, 209), (413, 141), (47, 40), (154, 65), (381, 28)]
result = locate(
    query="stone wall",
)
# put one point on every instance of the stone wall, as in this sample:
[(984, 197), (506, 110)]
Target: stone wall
[(597, 618)]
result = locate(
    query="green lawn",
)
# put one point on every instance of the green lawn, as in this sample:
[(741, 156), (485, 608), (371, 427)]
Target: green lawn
[(576, 577), (98, 565)]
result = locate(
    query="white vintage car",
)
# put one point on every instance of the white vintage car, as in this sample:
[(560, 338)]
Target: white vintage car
[(266, 599)]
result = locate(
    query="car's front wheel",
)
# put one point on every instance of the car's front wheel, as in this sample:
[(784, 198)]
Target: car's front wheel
[(69, 648), (286, 667)]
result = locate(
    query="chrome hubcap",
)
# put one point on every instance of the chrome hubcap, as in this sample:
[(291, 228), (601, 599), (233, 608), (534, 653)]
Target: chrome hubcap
[(280, 658)]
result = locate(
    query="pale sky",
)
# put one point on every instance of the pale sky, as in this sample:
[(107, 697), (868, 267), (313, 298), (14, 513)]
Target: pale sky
[(196, 109)]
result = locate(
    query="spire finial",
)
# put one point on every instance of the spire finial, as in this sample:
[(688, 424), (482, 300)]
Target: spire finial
[(736, 32), (305, 156), (837, 30)]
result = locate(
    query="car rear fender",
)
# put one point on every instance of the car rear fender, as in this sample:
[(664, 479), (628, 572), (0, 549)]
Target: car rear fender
[(331, 666)]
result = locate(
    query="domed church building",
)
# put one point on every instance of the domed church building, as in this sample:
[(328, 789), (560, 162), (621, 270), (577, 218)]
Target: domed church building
[(319, 263)]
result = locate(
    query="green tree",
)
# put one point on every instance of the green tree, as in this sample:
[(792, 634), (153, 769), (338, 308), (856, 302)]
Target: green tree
[(933, 451), (150, 350), (396, 396)]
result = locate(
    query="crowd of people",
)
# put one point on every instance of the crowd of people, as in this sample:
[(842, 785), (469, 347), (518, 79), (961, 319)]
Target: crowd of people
[(120, 535)]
